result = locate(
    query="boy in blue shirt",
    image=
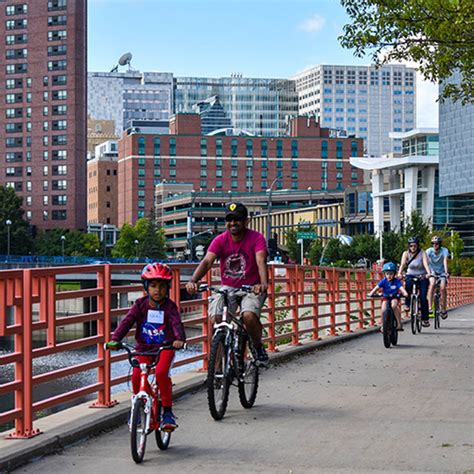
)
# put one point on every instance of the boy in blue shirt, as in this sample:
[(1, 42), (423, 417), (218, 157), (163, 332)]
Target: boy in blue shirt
[(391, 286)]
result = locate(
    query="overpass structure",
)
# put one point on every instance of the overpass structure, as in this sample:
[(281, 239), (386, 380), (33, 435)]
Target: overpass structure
[(305, 304)]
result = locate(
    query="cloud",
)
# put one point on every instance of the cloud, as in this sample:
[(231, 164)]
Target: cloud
[(313, 24)]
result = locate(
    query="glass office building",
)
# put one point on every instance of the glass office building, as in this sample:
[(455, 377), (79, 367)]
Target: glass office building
[(259, 106)]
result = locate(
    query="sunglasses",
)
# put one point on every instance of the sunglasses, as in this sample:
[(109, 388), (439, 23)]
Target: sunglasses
[(435, 243)]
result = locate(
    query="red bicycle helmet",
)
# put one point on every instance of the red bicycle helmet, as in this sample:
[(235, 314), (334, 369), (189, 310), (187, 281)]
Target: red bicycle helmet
[(156, 271)]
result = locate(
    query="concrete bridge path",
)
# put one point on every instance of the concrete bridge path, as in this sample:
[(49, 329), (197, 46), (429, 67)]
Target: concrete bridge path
[(351, 407)]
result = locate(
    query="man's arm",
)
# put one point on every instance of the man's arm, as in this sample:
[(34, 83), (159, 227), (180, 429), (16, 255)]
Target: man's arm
[(261, 259), (426, 263), (445, 262), (201, 270)]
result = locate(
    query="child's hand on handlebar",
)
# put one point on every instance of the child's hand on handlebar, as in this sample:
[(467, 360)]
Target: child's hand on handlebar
[(178, 344), (191, 287), (113, 345)]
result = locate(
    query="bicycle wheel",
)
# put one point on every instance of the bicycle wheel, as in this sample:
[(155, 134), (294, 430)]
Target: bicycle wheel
[(387, 328), (436, 313), (248, 378), (413, 312), (137, 431), (163, 438), (394, 333), (217, 377), (418, 320)]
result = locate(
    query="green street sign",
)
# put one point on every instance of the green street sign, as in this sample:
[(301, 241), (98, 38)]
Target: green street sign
[(306, 235)]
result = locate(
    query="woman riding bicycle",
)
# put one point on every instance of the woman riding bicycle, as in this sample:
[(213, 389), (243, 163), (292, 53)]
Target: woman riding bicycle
[(416, 263), (158, 322)]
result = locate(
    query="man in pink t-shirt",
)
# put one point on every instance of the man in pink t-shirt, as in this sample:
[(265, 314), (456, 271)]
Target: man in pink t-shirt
[(242, 253)]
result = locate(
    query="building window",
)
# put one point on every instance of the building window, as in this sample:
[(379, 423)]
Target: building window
[(279, 149), (234, 163), (219, 183), (57, 5), (249, 149), (264, 149), (218, 163), (173, 173), (324, 149), (338, 149), (339, 165), (156, 147), (203, 183), (172, 146), (294, 148), (141, 161), (57, 35), (203, 173), (354, 149), (294, 164), (265, 164), (234, 184), (234, 173), (234, 147), (141, 145), (264, 174), (141, 172), (203, 147), (219, 147), (218, 173), (172, 162), (279, 164)]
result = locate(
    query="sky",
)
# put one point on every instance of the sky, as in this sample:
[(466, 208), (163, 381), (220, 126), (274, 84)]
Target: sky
[(215, 38)]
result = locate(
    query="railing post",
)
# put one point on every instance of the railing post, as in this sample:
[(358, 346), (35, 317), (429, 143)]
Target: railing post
[(271, 308), (294, 289), (24, 425), (372, 302), (348, 301), (315, 307), (332, 298), (104, 329)]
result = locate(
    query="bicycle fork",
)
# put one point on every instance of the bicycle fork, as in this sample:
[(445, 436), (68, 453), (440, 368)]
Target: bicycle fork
[(147, 399)]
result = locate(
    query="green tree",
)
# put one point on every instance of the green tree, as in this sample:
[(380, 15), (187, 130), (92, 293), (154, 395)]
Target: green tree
[(417, 226), (315, 251), (436, 34), (294, 249), (11, 210), (393, 246), (125, 246), (151, 241), (362, 246), (76, 243)]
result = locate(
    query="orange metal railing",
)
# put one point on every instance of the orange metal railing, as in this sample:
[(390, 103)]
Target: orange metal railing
[(304, 303)]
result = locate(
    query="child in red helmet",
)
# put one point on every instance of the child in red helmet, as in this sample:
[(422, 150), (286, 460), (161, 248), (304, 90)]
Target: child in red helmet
[(157, 321)]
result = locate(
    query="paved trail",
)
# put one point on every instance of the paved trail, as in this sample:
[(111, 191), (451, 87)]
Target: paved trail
[(352, 407)]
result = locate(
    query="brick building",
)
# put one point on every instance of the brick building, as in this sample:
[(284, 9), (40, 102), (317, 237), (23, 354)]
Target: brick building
[(311, 158), (102, 184), (43, 108)]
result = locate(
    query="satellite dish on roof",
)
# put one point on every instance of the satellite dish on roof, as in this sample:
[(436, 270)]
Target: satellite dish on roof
[(125, 59)]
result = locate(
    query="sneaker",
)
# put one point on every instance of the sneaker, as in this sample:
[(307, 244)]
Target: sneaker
[(262, 356), (444, 314), (425, 323), (168, 423), (431, 314)]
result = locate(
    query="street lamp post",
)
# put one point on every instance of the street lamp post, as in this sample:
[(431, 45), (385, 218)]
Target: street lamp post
[(300, 242), (136, 247), (269, 208), (104, 236), (63, 238), (189, 236), (8, 222), (310, 197)]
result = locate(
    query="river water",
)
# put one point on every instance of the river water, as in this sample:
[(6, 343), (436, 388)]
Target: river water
[(67, 359)]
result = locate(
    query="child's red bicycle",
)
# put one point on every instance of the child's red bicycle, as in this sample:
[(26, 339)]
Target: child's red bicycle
[(146, 410)]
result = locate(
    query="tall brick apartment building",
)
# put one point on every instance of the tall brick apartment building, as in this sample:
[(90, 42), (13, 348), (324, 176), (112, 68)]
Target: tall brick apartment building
[(43, 108), (310, 157)]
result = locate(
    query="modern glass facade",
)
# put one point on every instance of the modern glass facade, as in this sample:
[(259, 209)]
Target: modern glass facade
[(213, 115), (259, 106)]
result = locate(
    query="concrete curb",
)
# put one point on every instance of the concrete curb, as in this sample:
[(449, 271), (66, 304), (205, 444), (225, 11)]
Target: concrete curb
[(80, 422)]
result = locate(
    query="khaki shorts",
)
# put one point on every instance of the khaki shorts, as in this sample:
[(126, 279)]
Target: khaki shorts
[(248, 302)]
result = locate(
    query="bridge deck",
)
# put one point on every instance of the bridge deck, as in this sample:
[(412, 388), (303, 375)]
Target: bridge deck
[(352, 407)]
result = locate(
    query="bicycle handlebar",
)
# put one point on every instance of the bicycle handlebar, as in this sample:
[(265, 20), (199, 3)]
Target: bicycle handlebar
[(205, 287), (132, 353)]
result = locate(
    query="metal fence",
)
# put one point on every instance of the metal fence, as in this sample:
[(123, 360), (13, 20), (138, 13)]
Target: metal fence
[(304, 303)]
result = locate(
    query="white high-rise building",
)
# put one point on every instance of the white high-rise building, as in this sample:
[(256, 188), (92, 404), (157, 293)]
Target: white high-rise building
[(366, 101)]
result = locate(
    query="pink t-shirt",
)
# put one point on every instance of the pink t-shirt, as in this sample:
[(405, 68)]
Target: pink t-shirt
[(237, 259)]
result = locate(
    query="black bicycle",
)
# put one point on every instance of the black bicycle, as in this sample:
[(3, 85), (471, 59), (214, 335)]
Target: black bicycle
[(389, 322), (437, 297), (415, 308), (232, 356)]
